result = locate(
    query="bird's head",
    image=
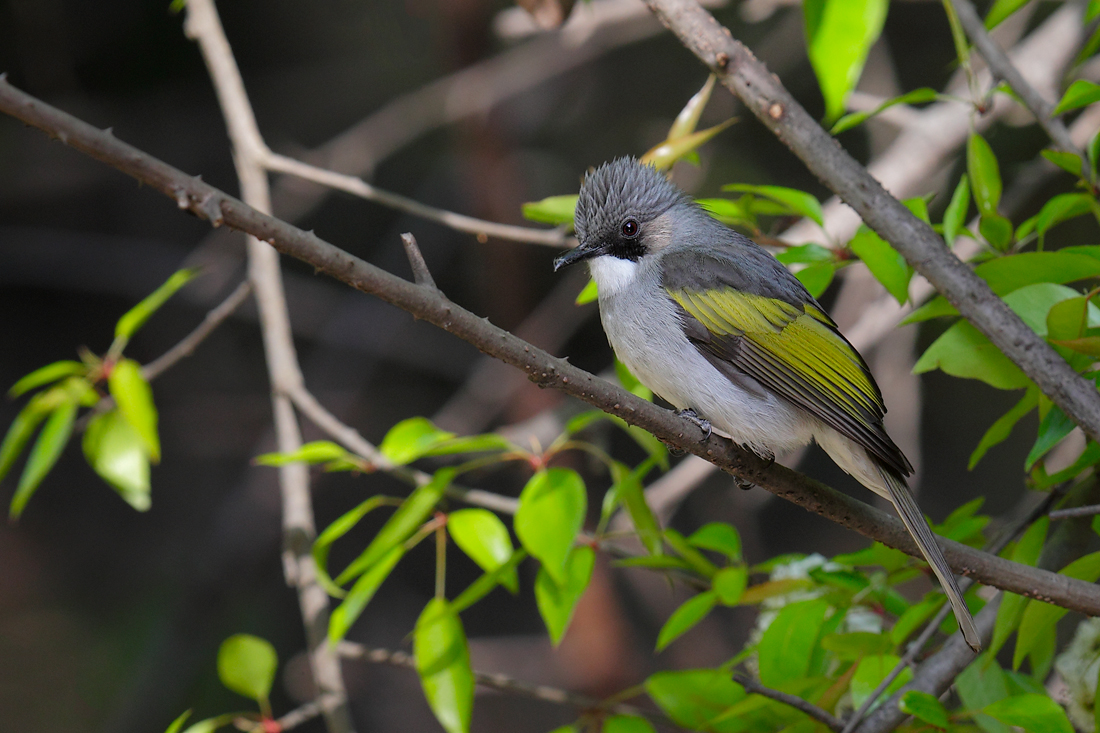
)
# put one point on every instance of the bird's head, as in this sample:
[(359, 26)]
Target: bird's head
[(623, 213)]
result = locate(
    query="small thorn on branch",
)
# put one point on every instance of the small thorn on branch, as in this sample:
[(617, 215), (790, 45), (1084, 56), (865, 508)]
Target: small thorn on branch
[(421, 276)]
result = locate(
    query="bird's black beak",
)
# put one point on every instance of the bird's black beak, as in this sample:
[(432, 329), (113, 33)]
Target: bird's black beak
[(582, 251)]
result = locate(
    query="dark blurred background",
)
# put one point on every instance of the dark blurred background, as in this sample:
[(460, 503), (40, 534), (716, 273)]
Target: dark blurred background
[(110, 619)]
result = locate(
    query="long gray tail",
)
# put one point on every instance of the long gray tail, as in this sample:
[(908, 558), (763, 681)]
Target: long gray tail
[(913, 519)]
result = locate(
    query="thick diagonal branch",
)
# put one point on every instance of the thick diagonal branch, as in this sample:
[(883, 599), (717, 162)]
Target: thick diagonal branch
[(763, 93), (207, 202)]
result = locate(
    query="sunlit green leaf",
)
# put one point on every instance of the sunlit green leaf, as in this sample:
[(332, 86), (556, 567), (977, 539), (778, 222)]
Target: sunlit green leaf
[(788, 643), (481, 535), (551, 512), (630, 493), (487, 582), (1054, 427), (954, 216), (853, 119), (443, 662), (408, 517), (792, 200), (729, 583), (884, 262), (411, 439), (341, 526), (552, 210), (923, 706), (627, 724), (809, 253), (24, 424), (718, 537), (136, 317), (1069, 162), (135, 401), (855, 645), (1080, 94), (588, 294), (1033, 712), (344, 615), (116, 452), (45, 452), (246, 665), (839, 35), (47, 375), (688, 119), (557, 601), (1001, 10), (318, 451), (695, 697), (817, 278), (663, 155), (691, 612), (177, 724), (873, 670)]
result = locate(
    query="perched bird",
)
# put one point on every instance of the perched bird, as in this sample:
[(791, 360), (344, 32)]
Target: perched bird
[(720, 329)]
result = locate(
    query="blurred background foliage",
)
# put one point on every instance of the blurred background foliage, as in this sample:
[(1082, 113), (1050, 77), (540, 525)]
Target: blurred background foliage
[(110, 620)]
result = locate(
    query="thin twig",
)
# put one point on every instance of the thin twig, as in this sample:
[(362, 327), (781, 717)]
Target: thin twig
[(502, 682), (190, 342), (755, 688), (421, 274), (299, 531), (208, 202), (1081, 511), (305, 713), (1003, 68)]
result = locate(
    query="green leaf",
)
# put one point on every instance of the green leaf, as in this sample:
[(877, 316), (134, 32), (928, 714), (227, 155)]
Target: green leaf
[(695, 697), (47, 449), (1000, 11), (1012, 272), (318, 451), (693, 557), (408, 517), (925, 707), (211, 724), (981, 683), (855, 645), (1032, 712), (729, 583), (962, 351), (177, 724), (915, 617), (344, 615), (1038, 616), (630, 493), (411, 439), (481, 535), (1068, 319), (1069, 162), (839, 35), (487, 582), (551, 512), (47, 375), (116, 452), (788, 643), (627, 724), (884, 262), (557, 601), (1081, 93), (1054, 427), (554, 210), (443, 662), (1062, 207), (136, 317), (996, 229), (1002, 427), (807, 254), (985, 176), (335, 531), (631, 384), (24, 424), (792, 200), (246, 665), (817, 278), (853, 119), (720, 537), (588, 293), (1012, 606), (691, 612), (135, 401), (872, 671), (954, 216)]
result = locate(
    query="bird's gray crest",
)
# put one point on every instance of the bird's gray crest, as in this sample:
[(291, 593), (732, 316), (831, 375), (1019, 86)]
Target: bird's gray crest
[(623, 187)]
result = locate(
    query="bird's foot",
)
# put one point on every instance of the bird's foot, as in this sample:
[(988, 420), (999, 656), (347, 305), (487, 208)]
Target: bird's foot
[(691, 416), (743, 484), (764, 454)]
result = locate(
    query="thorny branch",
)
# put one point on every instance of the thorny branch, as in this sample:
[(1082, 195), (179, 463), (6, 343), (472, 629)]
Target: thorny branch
[(545, 370)]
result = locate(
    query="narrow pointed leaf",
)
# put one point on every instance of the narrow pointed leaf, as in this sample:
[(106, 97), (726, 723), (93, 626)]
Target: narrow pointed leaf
[(631, 494), (554, 210), (999, 431), (690, 612), (47, 449), (688, 119), (23, 427), (557, 601), (793, 201), (954, 216), (1012, 606), (1001, 10), (47, 375), (839, 35), (344, 615), (884, 262), (985, 175), (136, 317), (1081, 93), (662, 156), (1038, 616), (854, 119), (1069, 162)]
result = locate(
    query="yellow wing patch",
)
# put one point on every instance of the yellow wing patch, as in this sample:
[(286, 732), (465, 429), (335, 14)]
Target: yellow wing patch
[(793, 349)]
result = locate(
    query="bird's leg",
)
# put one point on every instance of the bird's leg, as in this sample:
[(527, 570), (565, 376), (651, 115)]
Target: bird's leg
[(691, 416)]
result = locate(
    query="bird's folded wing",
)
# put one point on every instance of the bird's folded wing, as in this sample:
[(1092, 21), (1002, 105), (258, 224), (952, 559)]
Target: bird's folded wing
[(796, 351)]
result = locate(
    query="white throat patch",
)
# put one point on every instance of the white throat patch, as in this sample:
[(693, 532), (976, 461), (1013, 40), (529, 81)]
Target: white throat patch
[(611, 273)]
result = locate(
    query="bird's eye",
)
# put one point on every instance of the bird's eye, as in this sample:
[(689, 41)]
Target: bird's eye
[(630, 228)]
